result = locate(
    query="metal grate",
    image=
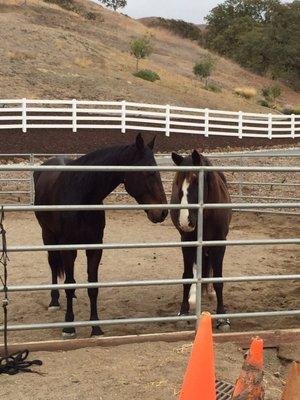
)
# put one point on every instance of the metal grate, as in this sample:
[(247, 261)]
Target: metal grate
[(224, 390)]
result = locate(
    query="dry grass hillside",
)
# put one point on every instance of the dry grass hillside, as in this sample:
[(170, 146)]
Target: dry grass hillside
[(49, 52)]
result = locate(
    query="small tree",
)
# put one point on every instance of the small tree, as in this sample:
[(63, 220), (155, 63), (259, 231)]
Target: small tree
[(115, 4), (141, 48), (271, 93), (203, 69)]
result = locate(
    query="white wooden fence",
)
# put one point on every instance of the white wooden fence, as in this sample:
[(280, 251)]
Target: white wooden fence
[(74, 114)]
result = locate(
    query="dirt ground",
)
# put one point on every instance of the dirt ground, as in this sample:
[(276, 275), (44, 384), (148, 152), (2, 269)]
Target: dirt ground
[(145, 264), (149, 371)]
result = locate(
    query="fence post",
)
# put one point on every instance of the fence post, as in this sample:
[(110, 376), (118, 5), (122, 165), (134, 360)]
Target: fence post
[(240, 124), (270, 126), (199, 240), (293, 126), (123, 117), (31, 181), (24, 116), (168, 108), (74, 115), (241, 177), (206, 122)]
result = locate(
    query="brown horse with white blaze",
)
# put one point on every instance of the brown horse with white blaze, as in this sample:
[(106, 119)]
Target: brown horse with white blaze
[(215, 226)]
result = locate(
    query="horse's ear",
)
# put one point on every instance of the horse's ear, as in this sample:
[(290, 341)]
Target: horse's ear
[(151, 144), (177, 159), (196, 157), (139, 142)]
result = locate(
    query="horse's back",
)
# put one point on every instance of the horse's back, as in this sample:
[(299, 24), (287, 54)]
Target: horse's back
[(44, 181)]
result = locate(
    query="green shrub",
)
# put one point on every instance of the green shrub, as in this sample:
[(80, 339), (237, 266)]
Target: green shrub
[(271, 93), (147, 75), (264, 103), (212, 87), (91, 16)]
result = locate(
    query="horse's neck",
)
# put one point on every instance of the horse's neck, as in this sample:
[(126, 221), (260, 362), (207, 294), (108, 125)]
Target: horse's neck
[(93, 187)]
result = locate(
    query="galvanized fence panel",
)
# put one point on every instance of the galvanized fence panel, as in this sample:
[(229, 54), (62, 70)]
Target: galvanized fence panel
[(21, 190), (199, 243)]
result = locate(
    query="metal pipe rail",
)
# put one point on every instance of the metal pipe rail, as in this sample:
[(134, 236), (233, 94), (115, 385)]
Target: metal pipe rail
[(158, 282), (119, 207), (161, 168), (112, 246), (122, 321)]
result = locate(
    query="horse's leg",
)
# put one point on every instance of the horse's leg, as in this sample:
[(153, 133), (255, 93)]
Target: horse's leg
[(217, 256), (55, 263), (68, 258), (93, 260), (189, 254)]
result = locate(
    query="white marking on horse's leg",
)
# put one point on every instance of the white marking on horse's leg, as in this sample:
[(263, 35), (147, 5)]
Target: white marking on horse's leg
[(192, 295), (53, 308), (184, 212), (68, 335)]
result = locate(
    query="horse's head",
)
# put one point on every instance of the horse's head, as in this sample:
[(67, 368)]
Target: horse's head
[(185, 190), (146, 187)]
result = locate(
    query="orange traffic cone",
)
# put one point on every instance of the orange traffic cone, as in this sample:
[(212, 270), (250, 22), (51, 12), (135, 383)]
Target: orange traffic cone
[(199, 380), (249, 385), (292, 387)]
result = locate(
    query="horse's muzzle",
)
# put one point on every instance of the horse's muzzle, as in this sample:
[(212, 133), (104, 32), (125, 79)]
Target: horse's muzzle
[(157, 216)]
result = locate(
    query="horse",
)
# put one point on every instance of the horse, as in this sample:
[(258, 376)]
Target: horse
[(87, 227), (215, 227)]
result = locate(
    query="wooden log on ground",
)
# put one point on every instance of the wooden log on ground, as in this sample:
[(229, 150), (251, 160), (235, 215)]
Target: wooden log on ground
[(242, 339)]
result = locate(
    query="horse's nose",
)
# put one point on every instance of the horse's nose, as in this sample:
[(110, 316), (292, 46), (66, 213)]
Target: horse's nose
[(157, 215)]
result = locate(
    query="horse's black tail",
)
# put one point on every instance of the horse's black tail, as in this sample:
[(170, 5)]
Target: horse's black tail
[(56, 263)]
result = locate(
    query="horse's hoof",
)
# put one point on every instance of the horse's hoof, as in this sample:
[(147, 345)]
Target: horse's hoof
[(68, 335), (223, 325), (183, 313), (54, 308), (96, 331)]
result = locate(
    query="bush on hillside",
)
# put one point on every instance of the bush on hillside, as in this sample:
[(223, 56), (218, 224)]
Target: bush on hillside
[(246, 92), (213, 87), (203, 69), (271, 93), (264, 103), (147, 75)]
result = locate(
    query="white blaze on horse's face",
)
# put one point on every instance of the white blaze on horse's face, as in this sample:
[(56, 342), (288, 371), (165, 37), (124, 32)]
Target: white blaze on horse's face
[(184, 221)]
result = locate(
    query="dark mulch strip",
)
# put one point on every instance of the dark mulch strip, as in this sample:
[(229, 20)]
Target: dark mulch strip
[(85, 140)]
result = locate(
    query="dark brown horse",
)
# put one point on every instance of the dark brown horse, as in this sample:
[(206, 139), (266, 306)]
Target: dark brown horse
[(215, 226), (87, 227)]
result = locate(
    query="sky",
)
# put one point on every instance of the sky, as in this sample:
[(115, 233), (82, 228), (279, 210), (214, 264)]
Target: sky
[(188, 10)]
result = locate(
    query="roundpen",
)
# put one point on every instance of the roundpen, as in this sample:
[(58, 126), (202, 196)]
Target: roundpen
[(199, 243)]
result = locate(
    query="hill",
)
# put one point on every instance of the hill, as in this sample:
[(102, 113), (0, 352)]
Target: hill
[(51, 52)]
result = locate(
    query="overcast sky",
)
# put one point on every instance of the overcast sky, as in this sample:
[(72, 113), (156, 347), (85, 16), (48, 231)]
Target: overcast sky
[(189, 10)]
